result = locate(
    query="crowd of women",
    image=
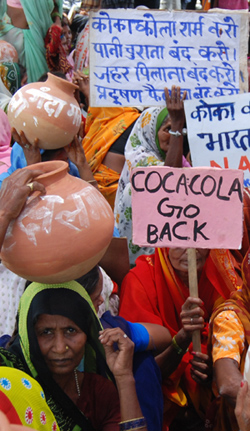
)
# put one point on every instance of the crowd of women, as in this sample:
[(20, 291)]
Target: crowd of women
[(100, 353)]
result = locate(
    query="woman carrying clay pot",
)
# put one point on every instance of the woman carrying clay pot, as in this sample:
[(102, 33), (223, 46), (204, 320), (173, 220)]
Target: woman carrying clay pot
[(58, 334)]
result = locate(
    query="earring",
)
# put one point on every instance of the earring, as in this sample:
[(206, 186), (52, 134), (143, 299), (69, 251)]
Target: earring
[(67, 347)]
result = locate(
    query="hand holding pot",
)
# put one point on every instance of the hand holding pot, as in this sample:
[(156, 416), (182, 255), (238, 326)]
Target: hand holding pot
[(31, 151)]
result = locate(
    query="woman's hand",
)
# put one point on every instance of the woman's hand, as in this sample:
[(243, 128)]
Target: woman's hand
[(15, 190), (192, 315), (202, 368), (242, 409), (83, 83), (119, 361), (76, 154), (31, 151), (175, 107), (75, 150)]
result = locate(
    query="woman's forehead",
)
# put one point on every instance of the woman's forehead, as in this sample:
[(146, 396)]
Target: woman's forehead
[(52, 320)]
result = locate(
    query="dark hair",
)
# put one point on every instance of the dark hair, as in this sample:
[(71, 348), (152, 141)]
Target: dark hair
[(89, 281)]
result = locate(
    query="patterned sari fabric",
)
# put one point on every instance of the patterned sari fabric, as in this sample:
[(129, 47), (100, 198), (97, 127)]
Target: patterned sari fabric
[(72, 301), (239, 303), (103, 128), (10, 75), (142, 149), (23, 401), (152, 292)]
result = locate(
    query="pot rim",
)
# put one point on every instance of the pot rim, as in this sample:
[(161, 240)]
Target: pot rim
[(49, 167)]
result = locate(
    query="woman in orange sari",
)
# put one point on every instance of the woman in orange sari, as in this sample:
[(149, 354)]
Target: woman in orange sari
[(229, 340), (156, 291), (104, 126)]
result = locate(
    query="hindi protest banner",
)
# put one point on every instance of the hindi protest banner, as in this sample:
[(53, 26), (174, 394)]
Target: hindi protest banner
[(218, 132), (187, 207), (133, 56)]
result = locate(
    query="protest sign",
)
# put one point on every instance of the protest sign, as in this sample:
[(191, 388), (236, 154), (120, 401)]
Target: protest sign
[(187, 207), (218, 132), (133, 56)]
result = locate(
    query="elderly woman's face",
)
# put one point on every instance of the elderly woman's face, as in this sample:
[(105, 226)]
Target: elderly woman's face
[(179, 260), (61, 341)]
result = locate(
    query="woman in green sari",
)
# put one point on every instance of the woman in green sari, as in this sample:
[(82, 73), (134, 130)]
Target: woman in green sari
[(29, 41), (57, 327)]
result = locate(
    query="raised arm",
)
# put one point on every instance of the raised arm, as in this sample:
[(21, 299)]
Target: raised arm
[(175, 108), (120, 363)]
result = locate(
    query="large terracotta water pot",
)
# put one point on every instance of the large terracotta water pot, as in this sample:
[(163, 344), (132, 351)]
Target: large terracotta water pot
[(61, 235), (8, 52), (46, 110)]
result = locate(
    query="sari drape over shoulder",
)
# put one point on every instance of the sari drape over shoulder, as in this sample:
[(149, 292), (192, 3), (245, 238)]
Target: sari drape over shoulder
[(153, 292), (103, 127)]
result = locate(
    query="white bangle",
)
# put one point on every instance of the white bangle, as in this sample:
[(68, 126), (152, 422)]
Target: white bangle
[(177, 133)]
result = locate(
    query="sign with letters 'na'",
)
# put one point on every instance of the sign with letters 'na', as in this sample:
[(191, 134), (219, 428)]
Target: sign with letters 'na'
[(187, 207)]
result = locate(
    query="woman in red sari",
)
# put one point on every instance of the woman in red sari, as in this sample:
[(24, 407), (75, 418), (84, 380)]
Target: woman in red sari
[(156, 291)]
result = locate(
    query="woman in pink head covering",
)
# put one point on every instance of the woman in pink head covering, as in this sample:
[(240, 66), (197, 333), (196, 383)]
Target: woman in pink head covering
[(5, 138)]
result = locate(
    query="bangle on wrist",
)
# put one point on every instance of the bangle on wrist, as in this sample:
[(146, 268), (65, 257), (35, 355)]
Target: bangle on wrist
[(55, 14), (177, 133), (133, 424), (176, 347)]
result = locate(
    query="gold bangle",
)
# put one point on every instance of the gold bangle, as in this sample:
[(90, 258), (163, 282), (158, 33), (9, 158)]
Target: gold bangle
[(176, 347)]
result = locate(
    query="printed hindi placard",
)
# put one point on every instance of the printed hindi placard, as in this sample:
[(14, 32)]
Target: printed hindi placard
[(135, 54), (219, 132), (187, 207)]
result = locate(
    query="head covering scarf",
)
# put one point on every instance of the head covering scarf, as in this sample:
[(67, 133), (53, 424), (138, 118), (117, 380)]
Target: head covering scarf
[(69, 300), (142, 149), (153, 292), (239, 302), (5, 138), (23, 401), (55, 55)]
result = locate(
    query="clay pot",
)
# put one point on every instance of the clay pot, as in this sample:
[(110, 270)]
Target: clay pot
[(8, 52), (59, 236), (47, 111)]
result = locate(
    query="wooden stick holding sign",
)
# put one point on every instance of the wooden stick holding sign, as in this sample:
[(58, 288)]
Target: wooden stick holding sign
[(193, 290)]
